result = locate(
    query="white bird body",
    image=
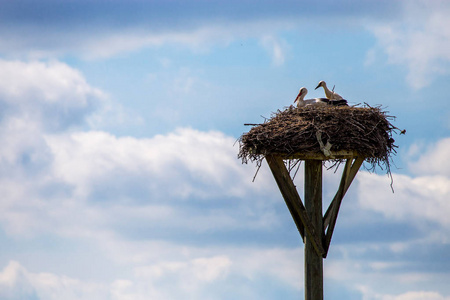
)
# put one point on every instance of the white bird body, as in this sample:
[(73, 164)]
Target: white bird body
[(316, 101), (329, 94)]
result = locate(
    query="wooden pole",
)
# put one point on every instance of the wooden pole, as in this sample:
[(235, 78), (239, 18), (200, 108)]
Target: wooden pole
[(308, 217), (313, 205)]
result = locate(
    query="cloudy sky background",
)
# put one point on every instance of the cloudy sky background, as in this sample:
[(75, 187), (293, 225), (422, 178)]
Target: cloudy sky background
[(118, 170)]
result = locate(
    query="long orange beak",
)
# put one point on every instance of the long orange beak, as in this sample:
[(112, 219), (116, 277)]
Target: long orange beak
[(299, 93)]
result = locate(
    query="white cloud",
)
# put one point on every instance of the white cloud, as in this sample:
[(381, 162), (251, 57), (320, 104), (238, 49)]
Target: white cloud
[(52, 180), (190, 275), (198, 39), (45, 82), (176, 272), (178, 159), (53, 96), (80, 169), (421, 295), (412, 295), (95, 187), (276, 48), (434, 160), (423, 198), (418, 39), (100, 42), (53, 177), (49, 94), (37, 98), (16, 282)]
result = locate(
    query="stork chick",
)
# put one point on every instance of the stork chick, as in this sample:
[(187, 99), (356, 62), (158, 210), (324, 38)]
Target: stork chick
[(316, 101), (329, 94), (301, 95)]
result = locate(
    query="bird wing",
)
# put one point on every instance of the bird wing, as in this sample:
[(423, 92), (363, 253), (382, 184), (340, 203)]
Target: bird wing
[(335, 96), (316, 101), (341, 102)]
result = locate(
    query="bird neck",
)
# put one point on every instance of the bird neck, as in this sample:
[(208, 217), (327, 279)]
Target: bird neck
[(328, 93), (300, 97), (300, 103)]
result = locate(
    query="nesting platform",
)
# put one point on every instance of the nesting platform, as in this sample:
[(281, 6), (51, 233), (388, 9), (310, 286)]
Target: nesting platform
[(316, 134), (323, 133)]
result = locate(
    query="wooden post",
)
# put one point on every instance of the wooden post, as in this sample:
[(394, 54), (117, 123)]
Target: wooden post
[(313, 205), (308, 217)]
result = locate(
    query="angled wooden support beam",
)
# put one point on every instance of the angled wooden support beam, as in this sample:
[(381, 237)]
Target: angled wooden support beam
[(353, 170), (276, 166), (297, 220), (340, 192), (294, 202), (330, 217), (336, 204)]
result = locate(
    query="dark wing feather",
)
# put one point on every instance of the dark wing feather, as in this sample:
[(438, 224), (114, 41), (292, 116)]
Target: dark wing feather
[(342, 102)]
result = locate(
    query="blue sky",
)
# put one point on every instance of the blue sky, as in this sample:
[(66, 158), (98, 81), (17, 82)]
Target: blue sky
[(119, 173)]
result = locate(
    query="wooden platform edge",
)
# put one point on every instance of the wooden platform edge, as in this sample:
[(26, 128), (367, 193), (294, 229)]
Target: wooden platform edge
[(343, 154)]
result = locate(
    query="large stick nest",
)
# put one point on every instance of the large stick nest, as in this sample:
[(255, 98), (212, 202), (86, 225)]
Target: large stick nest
[(366, 130)]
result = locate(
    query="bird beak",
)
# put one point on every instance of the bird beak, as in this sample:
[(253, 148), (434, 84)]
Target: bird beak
[(318, 86), (297, 96)]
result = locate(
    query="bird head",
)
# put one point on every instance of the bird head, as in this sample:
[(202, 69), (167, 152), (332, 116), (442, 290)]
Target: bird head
[(322, 83), (301, 94)]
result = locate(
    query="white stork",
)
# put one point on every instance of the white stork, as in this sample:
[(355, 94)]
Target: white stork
[(301, 95), (316, 101), (329, 94)]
